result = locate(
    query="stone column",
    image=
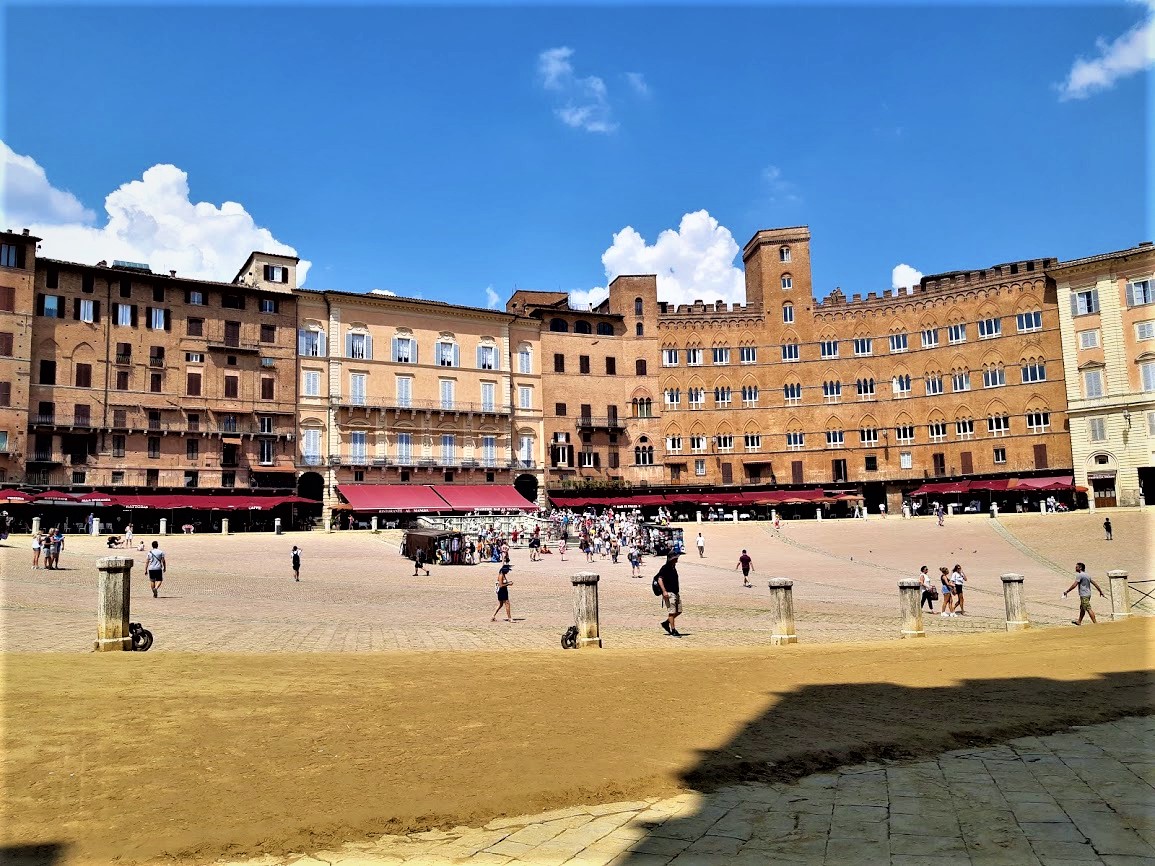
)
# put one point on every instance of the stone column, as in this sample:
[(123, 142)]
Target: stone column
[(585, 609), (1120, 594), (910, 604), (277, 525), (373, 522), (1016, 604), (112, 604), (782, 611), (35, 525), (224, 526), (164, 526)]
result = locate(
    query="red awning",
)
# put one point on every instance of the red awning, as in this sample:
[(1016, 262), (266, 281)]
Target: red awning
[(994, 484), (569, 501), (54, 495), (1055, 482), (942, 487), (14, 496), (392, 497), (469, 497)]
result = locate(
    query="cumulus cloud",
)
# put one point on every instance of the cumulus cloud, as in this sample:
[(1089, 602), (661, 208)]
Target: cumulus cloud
[(492, 299), (386, 292), (1120, 58), (585, 100), (904, 276), (693, 262), (29, 197), (149, 220)]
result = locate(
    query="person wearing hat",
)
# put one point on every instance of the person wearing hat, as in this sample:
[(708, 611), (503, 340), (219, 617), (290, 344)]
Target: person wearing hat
[(503, 584), (667, 578)]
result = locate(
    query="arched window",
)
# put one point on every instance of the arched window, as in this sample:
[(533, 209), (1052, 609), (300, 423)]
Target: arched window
[(581, 326), (558, 325), (605, 329), (638, 329), (784, 254), (787, 281), (637, 306)]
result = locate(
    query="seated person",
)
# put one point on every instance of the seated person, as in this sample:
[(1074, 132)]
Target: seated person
[(113, 541)]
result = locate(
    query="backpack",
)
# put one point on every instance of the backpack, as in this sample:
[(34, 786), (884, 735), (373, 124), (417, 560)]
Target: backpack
[(656, 586)]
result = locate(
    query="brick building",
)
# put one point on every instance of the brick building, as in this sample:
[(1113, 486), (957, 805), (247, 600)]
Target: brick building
[(17, 267), (142, 381), (406, 391), (1107, 314), (956, 378), (601, 418)]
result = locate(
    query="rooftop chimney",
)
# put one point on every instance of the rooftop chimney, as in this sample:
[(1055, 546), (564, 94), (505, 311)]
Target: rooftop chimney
[(25, 232), (172, 273)]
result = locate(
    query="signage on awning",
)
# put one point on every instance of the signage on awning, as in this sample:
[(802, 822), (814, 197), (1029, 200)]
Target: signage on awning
[(1102, 476)]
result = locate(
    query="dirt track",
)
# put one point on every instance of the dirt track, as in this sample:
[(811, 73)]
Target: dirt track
[(142, 757)]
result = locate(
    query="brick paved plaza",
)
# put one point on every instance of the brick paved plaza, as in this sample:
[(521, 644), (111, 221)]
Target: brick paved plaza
[(236, 593), (1082, 797)]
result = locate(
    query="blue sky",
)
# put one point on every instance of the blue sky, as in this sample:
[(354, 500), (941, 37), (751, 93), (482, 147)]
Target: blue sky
[(441, 151)]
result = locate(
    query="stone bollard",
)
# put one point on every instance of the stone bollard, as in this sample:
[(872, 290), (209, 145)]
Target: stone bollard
[(164, 526), (773, 514), (1120, 594), (910, 603), (373, 523), (818, 513), (277, 525), (94, 529), (782, 611), (585, 609), (112, 604), (35, 525), (224, 526), (1016, 604)]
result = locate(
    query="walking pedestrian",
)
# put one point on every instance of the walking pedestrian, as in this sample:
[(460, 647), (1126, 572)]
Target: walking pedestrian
[(882, 509), (503, 584), (1084, 582), (747, 565), (635, 559), (157, 566), (1107, 528), (668, 584), (938, 512), (957, 579), (535, 545), (561, 547), (419, 563), (947, 608), (701, 542), (296, 558), (929, 593)]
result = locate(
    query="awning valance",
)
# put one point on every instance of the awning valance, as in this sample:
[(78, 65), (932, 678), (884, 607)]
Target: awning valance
[(392, 497), (471, 497)]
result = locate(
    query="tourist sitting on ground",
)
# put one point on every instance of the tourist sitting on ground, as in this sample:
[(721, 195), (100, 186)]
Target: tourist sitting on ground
[(113, 541)]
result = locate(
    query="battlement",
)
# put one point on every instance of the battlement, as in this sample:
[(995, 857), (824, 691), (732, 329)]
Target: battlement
[(937, 284), (701, 308)]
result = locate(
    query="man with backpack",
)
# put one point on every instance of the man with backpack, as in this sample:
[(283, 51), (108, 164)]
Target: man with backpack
[(666, 585)]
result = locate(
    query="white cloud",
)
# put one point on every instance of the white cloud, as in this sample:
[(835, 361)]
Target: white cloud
[(386, 292), (492, 299), (1132, 52), (904, 277), (149, 220), (29, 197), (694, 262), (781, 190), (638, 83), (586, 99)]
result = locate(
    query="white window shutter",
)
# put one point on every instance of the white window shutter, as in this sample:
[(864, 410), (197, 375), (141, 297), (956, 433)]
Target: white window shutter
[(301, 341), (321, 343), (394, 344), (348, 344), (1130, 295), (479, 357), (1074, 304), (456, 355), (368, 347), (496, 359)]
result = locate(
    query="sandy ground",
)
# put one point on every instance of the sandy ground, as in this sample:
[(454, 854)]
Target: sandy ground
[(133, 758)]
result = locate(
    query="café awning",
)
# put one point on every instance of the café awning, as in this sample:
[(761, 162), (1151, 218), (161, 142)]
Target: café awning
[(486, 497), (392, 497)]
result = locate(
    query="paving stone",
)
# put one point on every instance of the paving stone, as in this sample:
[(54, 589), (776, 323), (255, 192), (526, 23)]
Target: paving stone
[(1053, 831), (662, 845), (1045, 850), (843, 851), (927, 846), (923, 824), (1039, 812)]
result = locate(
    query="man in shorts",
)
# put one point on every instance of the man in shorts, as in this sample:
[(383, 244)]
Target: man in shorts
[(667, 578), (746, 564), (1084, 583), (157, 566)]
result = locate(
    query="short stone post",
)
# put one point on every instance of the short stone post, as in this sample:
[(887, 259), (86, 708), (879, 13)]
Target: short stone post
[(1016, 604), (1120, 594), (782, 611), (277, 525), (112, 604), (224, 526), (818, 512), (585, 609), (164, 526), (94, 528), (373, 523), (910, 604), (698, 517), (773, 515), (35, 525)]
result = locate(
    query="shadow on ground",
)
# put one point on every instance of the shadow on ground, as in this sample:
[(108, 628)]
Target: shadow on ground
[(749, 809), (48, 854)]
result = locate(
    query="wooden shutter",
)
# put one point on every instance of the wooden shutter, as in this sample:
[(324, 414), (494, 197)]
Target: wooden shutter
[(727, 473), (147, 317), (268, 388), (1040, 456), (6, 344), (76, 309), (40, 305), (1130, 295), (7, 299), (796, 472), (96, 312), (133, 317), (168, 320), (193, 388), (5, 393), (966, 462)]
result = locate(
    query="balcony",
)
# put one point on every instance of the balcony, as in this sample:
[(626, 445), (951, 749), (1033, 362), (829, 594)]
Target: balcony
[(312, 460), (123, 359), (45, 457), (347, 402), (600, 422)]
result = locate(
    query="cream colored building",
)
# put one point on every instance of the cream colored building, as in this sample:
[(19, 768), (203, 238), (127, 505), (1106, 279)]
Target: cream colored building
[(1107, 318), (397, 390)]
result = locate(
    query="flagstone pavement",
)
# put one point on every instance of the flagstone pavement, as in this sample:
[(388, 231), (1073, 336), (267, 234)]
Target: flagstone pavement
[(1081, 797)]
